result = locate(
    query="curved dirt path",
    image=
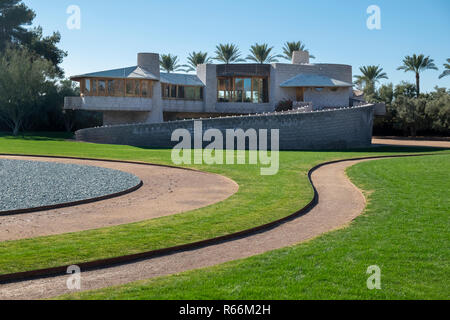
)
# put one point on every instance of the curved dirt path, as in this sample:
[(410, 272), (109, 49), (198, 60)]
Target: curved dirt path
[(339, 203), (411, 143), (166, 191)]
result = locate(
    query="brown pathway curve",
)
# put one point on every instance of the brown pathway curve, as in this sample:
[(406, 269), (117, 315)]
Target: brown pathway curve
[(340, 202), (166, 191)]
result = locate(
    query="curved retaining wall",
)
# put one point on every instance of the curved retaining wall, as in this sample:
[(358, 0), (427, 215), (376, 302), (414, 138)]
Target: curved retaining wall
[(322, 130)]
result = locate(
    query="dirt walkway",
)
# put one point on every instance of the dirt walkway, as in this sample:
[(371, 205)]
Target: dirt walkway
[(166, 191), (340, 202), (411, 143)]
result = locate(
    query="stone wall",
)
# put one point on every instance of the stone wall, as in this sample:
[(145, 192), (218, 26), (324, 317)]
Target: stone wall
[(322, 130)]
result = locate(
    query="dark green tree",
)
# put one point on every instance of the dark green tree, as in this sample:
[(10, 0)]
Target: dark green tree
[(169, 63), (261, 53), (228, 53), (417, 64), (15, 20), (290, 47), (447, 70), (195, 59), (24, 77)]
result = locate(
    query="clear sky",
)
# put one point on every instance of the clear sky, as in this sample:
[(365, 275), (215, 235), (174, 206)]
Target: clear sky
[(335, 31)]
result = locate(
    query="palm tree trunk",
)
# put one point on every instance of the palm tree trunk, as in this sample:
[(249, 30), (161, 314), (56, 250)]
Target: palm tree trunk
[(418, 83)]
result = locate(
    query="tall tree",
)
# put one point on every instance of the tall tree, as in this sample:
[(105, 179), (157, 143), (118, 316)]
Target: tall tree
[(228, 53), (15, 18), (261, 53), (195, 59), (169, 63), (370, 76), (447, 70), (290, 47), (23, 79), (417, 64)]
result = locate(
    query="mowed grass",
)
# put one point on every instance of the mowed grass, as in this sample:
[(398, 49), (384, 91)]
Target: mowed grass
[(405, 231), (260, 199)]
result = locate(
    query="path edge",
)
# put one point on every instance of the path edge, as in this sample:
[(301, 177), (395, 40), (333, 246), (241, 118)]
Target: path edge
[(110, 262)]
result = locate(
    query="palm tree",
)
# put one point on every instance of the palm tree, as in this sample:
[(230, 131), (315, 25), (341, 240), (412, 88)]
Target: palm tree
[(370, 76), (228, 53), (447, 70), (261, 53), (417, 64), (290, 47), (195, 59), (169, 63)]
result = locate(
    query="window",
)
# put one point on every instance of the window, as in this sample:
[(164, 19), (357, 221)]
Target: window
[(87, 87), (101, 87), (146, 89), (173, 92), (117, 87), (243, 90), (224, 88), (94, 87), (170, 91)]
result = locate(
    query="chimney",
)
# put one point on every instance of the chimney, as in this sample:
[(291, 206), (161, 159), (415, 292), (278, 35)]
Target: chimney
[(300, 57), (150, 62)]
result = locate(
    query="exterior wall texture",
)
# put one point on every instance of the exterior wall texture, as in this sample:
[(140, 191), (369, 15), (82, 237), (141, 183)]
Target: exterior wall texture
[(323, 130)]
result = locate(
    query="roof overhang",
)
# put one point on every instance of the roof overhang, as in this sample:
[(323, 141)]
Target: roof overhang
[(313, 80), (136, 72)]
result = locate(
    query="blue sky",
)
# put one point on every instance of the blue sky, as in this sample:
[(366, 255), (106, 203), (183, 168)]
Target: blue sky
[(112, 32)]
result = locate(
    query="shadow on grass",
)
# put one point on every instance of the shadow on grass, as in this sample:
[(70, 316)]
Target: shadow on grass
[(38, 136)]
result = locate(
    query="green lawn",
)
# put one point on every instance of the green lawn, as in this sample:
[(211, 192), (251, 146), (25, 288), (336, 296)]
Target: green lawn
[(261, 199), (405, 231)]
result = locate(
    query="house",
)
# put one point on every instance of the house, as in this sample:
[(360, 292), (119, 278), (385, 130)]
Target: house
[(143, 94)]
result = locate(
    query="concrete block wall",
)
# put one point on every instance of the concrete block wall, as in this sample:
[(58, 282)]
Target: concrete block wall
[(327, 97), (322, 130), (124, 117)]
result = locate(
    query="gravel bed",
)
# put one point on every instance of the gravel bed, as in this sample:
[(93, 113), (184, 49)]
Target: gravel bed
[(32, 184)]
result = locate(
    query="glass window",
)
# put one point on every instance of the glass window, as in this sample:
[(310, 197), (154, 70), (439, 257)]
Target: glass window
[(238, 90), (94, 87), (244, 90), (224, 90), (257, 90), (173, 91), (111, 88), (130, 88), (101, 87), (180, 92), (119, 88), (189, 93), (137, 88), (247, 90), (87, 87), (144, 88)]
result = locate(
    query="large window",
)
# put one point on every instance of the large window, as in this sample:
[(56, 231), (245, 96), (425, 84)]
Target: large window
[(178, 92), (243, 89), (117, 87)]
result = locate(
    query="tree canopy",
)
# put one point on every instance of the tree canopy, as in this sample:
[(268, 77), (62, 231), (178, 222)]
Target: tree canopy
[(15, 20)]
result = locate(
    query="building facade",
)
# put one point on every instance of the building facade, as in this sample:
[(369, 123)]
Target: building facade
[(143, 94)]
